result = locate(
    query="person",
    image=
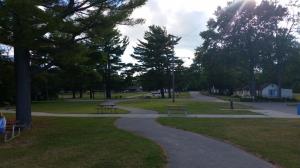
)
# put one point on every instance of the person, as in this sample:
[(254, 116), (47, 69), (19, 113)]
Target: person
[(2, 123)]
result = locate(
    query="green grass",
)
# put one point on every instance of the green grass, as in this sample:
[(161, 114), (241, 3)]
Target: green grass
[(78, 142), (74, 107), (182, 95), (193, 107), (276, 140), (228, 98), (69, 107), (101, 96)]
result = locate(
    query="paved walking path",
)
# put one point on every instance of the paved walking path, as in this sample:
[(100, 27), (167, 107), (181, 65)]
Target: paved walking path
[(273, 108), (186, 149)]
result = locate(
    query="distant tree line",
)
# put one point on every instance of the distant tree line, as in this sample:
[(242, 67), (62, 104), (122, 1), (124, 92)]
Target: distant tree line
[(248, 44)]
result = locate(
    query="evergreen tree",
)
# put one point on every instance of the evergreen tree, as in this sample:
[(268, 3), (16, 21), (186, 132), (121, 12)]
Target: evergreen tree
[(53, 25), (156, 55)]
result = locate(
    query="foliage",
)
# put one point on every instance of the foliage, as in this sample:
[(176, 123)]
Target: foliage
[(52, 33), (246, 42), (155, 56)]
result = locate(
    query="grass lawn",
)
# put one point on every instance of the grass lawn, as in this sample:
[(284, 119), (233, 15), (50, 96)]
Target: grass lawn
[(193, 107), (78, 142), (79, 107), (276, 140), (69, 107), (100, 95)]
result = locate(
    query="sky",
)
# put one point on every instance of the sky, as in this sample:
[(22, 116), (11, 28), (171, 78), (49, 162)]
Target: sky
[(184, 18)]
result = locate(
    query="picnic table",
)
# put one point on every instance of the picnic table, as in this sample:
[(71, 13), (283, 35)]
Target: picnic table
[(176, 110), (106, 108)]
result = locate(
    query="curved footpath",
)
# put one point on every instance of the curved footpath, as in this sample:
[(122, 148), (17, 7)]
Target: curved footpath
[(189, 150)]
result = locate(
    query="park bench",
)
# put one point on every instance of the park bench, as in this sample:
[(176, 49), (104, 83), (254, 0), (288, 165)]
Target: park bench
[(106, 108), (176, 110), (12, 130)]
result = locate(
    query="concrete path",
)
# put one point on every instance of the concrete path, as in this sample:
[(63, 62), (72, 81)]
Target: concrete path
[(271, 110), (274, 106), (186, 149), (196, 95)]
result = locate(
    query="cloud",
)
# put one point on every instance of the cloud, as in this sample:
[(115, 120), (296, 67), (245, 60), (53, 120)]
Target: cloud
[(184, 18)]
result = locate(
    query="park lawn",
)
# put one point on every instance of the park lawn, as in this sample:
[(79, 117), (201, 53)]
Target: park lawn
[(275, 140), (128, 95), (69, 107), (85, 96), (193, 107), (79, 142), (101, 95), (183, 95), (74, 107)]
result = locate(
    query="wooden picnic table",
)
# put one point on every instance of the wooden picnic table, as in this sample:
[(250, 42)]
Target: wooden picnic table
[(106, 108), (176, 110)]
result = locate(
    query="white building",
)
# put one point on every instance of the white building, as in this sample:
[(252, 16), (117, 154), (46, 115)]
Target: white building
[(271, 91), (267, 91)]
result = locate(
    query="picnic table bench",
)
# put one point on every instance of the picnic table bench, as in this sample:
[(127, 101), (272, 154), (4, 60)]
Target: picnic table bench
[(176, 110), (12, 130), (106, 108)]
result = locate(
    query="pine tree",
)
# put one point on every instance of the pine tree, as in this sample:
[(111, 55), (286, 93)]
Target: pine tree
[(155, 55)]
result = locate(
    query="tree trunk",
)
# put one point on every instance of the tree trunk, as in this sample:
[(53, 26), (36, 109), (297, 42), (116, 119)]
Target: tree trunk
[(47, 90), (74, 94), (91, 93), (80, 93), (279, 81), (252, 86), (162, 92), (23, 86), (107, 80), (169, 85)]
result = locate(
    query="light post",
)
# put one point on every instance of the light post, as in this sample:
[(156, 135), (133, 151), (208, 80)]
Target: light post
[(173, 77), (173, 69)]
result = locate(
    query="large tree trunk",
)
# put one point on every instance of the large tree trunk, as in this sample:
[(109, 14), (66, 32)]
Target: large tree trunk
[(23, 86)]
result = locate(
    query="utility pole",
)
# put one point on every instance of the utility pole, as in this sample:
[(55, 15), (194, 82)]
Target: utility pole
[(173, 77), (173, 72)]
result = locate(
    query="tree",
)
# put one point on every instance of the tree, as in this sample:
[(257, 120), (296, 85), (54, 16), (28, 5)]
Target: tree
[(113, 48), (31, 25), (155, 55), (240, 39)]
